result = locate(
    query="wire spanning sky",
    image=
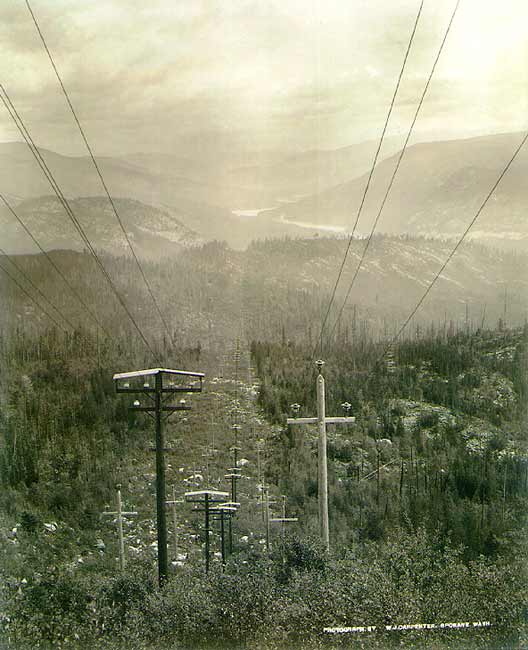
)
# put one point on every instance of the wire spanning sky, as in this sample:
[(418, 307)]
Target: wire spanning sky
[(275, 74)]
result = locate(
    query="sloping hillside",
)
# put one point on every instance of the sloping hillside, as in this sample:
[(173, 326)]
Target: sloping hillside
[(437, 190), (152, 231)]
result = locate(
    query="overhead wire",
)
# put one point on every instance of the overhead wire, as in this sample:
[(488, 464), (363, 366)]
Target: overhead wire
[(98, 170), (452, 252), (48, 257), (396, 168), (462, 238), (64, 202), (35, 288), (32, 299), (319, 341)]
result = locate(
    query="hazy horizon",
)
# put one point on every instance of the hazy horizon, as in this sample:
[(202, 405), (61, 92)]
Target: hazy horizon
[(260, 76)]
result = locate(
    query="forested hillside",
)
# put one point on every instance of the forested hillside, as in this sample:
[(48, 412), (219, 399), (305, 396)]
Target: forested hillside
[(279, 288), (439, 441), (428, 489)]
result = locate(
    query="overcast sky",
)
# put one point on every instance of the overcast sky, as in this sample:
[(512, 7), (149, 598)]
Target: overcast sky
[(274, 74)]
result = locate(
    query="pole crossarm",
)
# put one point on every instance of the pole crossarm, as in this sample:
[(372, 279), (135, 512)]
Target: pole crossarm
[(168, 389), (163, 409), (154, 371), (328, 420), (203, 493)]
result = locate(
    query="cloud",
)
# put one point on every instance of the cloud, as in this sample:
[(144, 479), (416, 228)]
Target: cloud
[(143, 75)]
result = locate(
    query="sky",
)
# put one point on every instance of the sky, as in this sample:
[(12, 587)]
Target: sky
[(281, 75)]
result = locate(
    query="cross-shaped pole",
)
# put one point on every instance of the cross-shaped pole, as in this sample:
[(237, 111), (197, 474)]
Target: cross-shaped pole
[(283, 520), (119, 514), (267, 519), (321, 420)]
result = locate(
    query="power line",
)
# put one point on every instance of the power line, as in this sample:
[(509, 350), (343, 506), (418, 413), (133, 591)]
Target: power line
[(35, 288), (319, 342), (454, 249), (52, 263), (58, 192), (98, 170), (35, 302), (396, 168)]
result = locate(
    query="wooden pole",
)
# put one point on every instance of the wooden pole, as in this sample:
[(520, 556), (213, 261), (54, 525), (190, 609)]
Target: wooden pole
[(222, 533), (207, 533), (322, 463), (322, 470), (174, 523), (120, 530), (160, 487), (267, 518), (120, 514)]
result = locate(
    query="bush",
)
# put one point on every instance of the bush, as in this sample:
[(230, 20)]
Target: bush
[(412, 578)]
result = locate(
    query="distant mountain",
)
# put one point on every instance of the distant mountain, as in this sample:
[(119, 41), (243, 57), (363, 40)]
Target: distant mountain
[(239, 195), (437, 191), (153, 232)]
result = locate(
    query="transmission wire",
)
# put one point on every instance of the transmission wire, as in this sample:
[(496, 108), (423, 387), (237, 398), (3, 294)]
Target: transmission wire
[(49, 176), (452, 252), (396, 168), (98, 170), (34, 286), (319, 341), (52, 263), (35, 302)]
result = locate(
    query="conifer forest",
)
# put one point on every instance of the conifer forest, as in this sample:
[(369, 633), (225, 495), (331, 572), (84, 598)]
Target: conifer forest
[(263, 325)]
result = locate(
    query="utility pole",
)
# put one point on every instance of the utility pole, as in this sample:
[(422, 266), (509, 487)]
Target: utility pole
[(220, 512), (119, 514), (260, 478), (267, 518), (205, 500), (234, 475), (173, 503), (321, 420), (164, 385), (283, 520)]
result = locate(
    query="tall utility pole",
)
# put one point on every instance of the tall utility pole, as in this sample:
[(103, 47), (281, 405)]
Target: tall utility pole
[(321, 420), (206, 500), (119, 514), (164, 385)]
